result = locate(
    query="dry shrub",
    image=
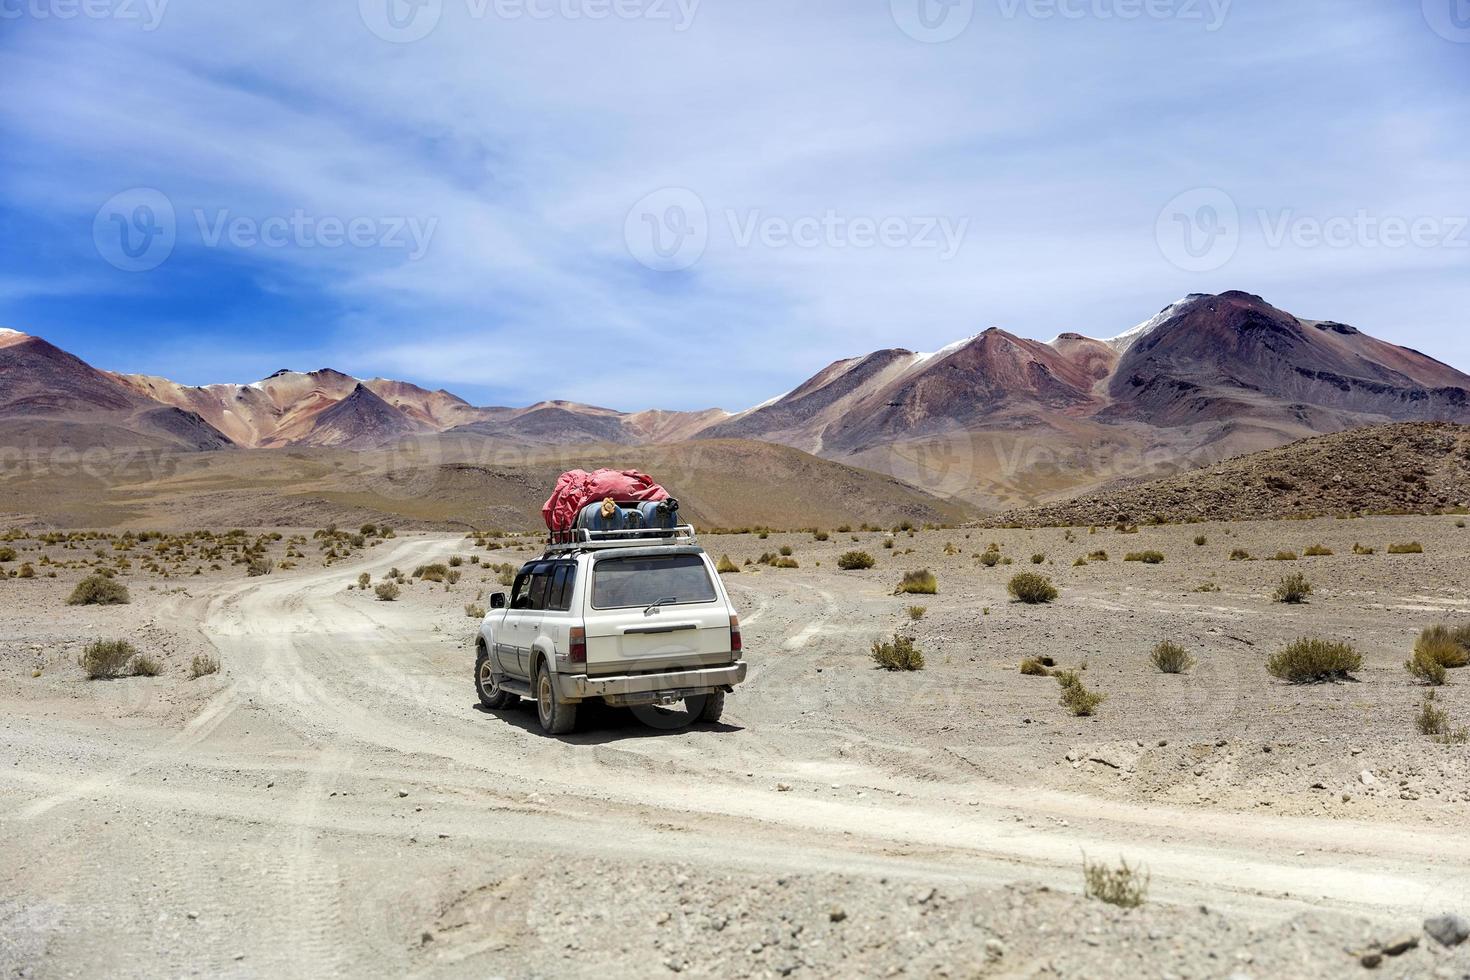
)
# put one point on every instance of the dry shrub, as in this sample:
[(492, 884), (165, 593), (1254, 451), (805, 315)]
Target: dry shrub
[(1240, 554), (106, 659), (901, 654), (1038, 559), (1411, 548), (99, 590), (1147, 557), (990, 559), (202, 665), (474, 612), (388, 591), (1294, 588), (921, 582), (1317, 551), (145, 666), (1031, 588), (1311, 660), (1424, 668), (727, 567), (1124, 886), (916, 613), (1448, 646), (1032, 667), (1171, 658), (1434, 722), (1284, 556), (785, 563), (855, 560), (1076, 698)]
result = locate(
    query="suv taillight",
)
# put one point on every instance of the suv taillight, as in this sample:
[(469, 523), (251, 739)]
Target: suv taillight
[(735, 644), (579, 645)]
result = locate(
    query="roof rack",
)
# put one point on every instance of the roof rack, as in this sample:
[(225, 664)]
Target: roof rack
[(583, 539)]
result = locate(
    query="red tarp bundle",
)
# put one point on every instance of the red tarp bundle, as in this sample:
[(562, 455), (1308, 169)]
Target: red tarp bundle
[(578, 488)]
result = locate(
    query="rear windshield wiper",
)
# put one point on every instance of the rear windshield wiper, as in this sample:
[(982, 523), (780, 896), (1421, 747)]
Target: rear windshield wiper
[(659, 602)]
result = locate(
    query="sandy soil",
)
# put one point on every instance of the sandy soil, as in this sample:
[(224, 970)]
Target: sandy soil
[(334, 800)]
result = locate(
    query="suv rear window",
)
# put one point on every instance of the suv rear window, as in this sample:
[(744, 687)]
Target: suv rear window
[(623, 583)]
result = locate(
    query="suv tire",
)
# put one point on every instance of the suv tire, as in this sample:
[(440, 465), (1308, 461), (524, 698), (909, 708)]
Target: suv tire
[(491, 694), (556, 718), (714, 706)]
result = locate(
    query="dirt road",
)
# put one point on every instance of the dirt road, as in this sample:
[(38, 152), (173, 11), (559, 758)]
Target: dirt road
[(336, 802)]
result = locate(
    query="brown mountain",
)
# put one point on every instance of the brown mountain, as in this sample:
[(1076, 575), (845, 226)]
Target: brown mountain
[(51, 398), (998, 420)]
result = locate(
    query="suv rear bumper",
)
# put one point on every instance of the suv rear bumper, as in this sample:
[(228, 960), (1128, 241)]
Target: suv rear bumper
[(673, 684)]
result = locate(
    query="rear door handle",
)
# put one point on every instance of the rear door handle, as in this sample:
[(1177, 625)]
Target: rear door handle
[(668, 628)]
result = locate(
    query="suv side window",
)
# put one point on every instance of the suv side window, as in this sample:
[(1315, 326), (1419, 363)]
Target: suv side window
[(520, 596), (560, 596), (540, 580)]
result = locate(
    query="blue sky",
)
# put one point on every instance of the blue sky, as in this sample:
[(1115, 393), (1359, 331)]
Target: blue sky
[(686, 203)]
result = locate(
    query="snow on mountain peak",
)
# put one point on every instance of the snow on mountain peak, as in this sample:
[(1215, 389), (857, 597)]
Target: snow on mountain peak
[(1128, 338)]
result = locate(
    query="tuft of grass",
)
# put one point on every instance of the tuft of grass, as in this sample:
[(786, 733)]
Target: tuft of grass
[(145, 666), (202, 665), (432, 573), (819, 535), (1125, 886), (1449, 646), (916, 613), (1032, 667), (1171, 658), (388, 591), (990, 559), (1317, 551), (1361, 549), (1434, 722), (1200, 540), (1294, 589), (1098, 555), (259, 565), (1310, 660), (1038, 559), (1147, 557), (1240, 554), (1424, 668), (855, 560), (1284, 556), (106, 659), (727, 567), (1031, 588), (901, 654), (1411, 548), (364, 580), (1207, 587), (1076, 698), (1079, 563), (921, 582), (473, 611), (785, 550), (785, 563), (99, 590)]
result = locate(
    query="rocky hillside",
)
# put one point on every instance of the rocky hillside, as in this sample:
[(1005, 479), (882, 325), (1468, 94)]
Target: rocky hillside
[(1416, 467)]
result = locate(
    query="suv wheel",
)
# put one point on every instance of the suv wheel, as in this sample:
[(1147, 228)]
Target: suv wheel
[(556, 718), (491, 694), (714, 706)]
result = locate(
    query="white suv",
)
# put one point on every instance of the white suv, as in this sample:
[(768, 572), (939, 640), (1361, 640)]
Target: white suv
[(632, 617)]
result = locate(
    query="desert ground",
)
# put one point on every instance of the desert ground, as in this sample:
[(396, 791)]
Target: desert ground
[(333, 800)]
